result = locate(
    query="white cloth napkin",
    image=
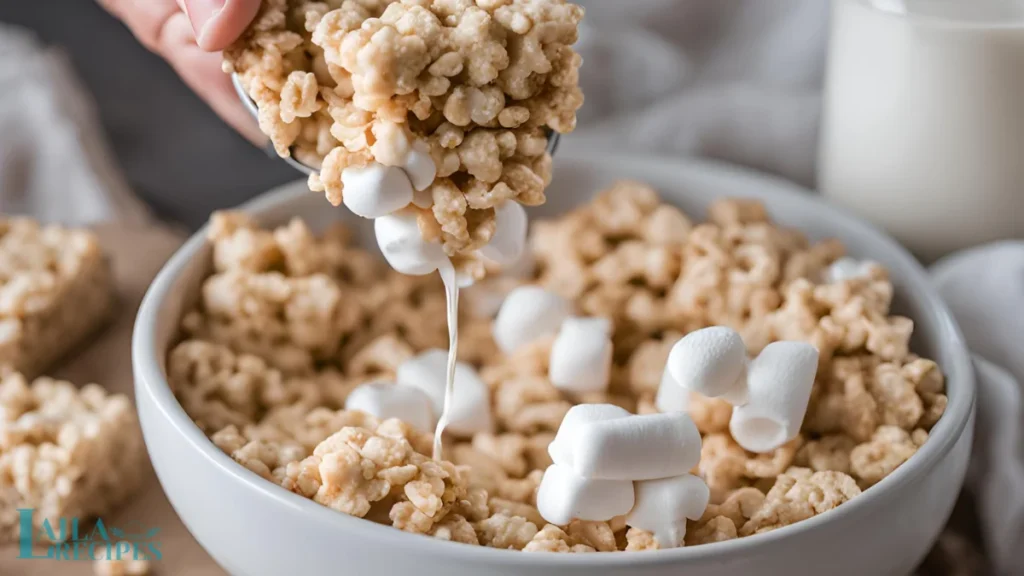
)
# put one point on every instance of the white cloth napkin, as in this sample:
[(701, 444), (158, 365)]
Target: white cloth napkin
[(984, 287), (54, 162)]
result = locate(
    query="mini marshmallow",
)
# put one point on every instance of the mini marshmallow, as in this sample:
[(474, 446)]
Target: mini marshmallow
[(634, 447), (375, 190), (386, 400), (528, 313), (420, 168), (847, 269), (663, 506), (779, 381), (671, 396), (712, 362), (471, 406), (564, 496), (581, 356), (577, 416), (509, 240), (399, 238)]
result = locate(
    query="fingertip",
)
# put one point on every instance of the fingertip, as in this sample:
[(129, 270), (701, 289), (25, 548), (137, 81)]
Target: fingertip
[(218, 23)]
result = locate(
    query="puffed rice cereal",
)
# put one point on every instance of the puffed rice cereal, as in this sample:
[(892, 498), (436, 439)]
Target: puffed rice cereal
[(56, 288), (274, 403), (64, 451), (477, 83)]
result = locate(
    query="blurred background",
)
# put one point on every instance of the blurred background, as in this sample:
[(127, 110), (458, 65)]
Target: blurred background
[(96, 127)]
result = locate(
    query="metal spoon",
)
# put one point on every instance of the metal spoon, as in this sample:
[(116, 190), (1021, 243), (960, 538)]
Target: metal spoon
[(250, 105)]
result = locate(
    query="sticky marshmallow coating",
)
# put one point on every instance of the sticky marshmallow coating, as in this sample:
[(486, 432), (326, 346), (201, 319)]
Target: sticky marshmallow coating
[(563, 497), (712, 362), (386, 400), (671, 397), (560, 449), (581, 356), (419, 167), (528, 313), (847, 268), (375, 190), (637, 447), (663, 506), (470, 409), (404, 248), (509, 240), (779, 381)]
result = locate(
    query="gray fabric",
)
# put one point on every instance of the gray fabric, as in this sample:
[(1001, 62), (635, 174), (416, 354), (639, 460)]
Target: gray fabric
[(177, 155)]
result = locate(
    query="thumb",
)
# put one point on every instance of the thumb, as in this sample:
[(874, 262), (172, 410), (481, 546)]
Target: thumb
[(218, 23)]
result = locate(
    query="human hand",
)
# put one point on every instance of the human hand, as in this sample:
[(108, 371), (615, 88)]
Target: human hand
[(189, 35)]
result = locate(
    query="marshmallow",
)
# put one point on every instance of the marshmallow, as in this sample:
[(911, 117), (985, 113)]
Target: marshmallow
[(847, 269), (470, 404), (375, 190), (564, 496), (420, 168), (581, 357), (633, 447), (671, 396), (509, 239), (576, 417), (385, 400), (528, 313), (399, 238), (711, 361), (663, 506), (779, 382)]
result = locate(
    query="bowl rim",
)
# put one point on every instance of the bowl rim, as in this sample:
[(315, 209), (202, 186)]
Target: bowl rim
[(150, 380)]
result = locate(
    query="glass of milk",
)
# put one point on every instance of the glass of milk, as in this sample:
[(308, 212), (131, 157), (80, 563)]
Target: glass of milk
[(923, 121)]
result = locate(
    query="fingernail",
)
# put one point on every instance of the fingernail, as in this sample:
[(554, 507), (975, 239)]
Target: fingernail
[(203, 16)]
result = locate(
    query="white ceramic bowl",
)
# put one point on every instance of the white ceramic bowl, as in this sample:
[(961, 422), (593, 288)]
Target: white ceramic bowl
[(254, 528)]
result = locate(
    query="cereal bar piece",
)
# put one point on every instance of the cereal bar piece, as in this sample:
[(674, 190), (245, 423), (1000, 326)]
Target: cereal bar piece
[(640, 540), (503, 530), (64, 452), (717, 529), (798, 495), (56, 288), (551, 538), (356, 467)]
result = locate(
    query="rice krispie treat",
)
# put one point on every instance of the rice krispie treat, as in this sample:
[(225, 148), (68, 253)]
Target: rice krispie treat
[(474, 84), (64, 452), (56, 289), (656, 274)]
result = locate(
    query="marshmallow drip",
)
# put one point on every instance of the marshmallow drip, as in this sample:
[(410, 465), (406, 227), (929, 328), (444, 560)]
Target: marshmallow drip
[(451, 296)]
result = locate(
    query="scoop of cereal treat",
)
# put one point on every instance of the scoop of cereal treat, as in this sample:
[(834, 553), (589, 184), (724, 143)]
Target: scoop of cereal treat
[(459, 96)]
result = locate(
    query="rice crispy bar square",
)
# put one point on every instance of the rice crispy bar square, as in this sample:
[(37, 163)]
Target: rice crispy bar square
[(56, 288), (65, 452)]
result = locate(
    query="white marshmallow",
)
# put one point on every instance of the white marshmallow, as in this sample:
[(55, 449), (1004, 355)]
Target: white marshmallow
[(581, 356), (635, 447), (528, 313), (663, 506), (471, 406), (712, 362), (509, 240), (780, 381), (375, 190), (399, 238), (671, 396), (420, 168), (847, 268), (386, 400), (563, 497), (577, 416)]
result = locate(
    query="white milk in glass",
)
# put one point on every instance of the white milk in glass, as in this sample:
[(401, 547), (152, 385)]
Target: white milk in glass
[(923, 122)]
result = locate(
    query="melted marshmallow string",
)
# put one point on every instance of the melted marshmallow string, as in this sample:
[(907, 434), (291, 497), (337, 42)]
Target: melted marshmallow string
[(451, 295)]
